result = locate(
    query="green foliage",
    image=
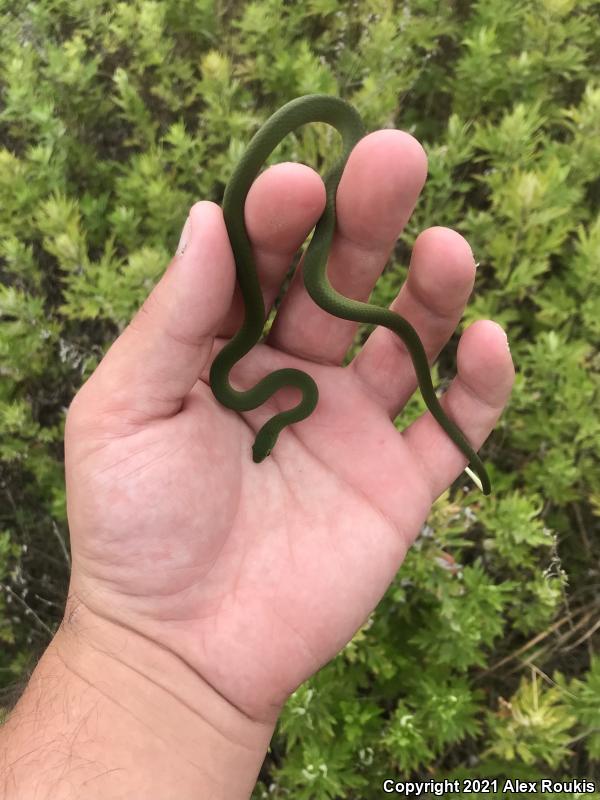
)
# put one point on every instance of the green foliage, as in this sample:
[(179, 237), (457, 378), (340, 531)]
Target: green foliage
[(534, 727), (8, 551), (584, 697), (115, 118)]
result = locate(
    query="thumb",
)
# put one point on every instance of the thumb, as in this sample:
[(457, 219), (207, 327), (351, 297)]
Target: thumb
[(159, 356)]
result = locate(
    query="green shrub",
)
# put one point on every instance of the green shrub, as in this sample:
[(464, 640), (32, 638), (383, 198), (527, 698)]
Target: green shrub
[(115, 118)]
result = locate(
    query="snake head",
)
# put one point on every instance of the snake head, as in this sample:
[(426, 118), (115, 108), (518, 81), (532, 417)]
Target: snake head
[(265, 441), (258, 454)]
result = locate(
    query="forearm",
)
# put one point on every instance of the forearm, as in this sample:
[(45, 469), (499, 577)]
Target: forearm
[(111, 715)]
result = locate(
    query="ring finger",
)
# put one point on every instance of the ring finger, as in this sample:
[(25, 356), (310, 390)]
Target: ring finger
[(440, 280)]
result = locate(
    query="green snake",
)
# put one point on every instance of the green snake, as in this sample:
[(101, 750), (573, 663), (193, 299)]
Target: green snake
[(343, 117)]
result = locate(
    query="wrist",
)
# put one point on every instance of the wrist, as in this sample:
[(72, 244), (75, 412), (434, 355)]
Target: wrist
[(110, 713)]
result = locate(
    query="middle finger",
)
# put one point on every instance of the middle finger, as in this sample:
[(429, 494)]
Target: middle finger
[(378, 190)]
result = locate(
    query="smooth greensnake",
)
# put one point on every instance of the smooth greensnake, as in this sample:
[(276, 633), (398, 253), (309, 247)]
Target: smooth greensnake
[(343, 117)]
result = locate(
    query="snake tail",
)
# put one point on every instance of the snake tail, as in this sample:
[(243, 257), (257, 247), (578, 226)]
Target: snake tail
[(322, 292)]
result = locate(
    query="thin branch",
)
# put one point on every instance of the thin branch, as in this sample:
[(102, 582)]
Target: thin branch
[(582, 530), (547, 678), (558, 644), (584, 735), (29, 609), (539, 637), (583, 638), (63, 545)]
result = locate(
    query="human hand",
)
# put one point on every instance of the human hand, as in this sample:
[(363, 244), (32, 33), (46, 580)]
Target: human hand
[(256, 575)]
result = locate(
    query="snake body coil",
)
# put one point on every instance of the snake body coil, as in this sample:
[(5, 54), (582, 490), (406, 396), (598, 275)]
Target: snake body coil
[(343, 117)]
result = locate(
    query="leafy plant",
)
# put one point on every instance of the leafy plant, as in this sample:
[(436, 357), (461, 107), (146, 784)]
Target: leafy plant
[(115, 118)]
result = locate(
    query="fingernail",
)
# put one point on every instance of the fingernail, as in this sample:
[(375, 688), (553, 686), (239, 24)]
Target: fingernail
[(473, 256), (185, 236), (505, 338)]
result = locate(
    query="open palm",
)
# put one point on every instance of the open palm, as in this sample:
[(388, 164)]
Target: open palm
[(257, 574)]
